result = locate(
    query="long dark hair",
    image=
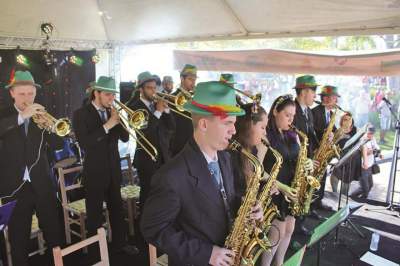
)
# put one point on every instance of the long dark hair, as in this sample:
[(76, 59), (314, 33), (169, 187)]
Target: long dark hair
[(278, 105), (243, 123)]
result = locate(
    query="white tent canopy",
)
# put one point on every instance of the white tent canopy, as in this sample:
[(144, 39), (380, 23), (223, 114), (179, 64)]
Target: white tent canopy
[(152, 21)]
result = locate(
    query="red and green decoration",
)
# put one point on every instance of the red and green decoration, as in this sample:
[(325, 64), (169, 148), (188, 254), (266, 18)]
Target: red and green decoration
[(306, 82), (329, 90), (21, 78), (227, 78), (214, 98)]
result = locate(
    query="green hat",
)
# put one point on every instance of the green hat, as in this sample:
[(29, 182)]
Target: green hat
[(227, 78), (329, 90), (189, 70), (22, 78), (214, 98), (145, 77), (106, 84), (306, 82)]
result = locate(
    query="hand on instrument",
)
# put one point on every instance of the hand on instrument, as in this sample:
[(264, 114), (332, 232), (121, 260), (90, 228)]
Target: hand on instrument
[(113, 120), (31, 110), (311, 164), (161, 106), (290, 193), (274, 189), (256, 213), (221, 257), (330, 137)]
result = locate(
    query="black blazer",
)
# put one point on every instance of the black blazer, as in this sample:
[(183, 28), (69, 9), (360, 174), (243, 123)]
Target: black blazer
[(102, 160), (319, 117), (184, 215), (158, 132), (183, 132), (300, 121), (18, 151)]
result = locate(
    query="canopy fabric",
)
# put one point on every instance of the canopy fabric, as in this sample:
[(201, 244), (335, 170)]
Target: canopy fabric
[(280, 61), (138, 21)]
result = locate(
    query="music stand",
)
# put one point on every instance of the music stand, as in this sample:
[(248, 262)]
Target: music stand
[(326, 227), (296, 258), (358, 142)]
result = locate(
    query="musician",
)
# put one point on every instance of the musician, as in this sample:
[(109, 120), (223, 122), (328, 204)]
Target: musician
[(285, 141), (322, 114), (167, 84), (183, 125), (98, 130), (157, 131), (306, 87), (186, 215), (350, 170), (25, 174)]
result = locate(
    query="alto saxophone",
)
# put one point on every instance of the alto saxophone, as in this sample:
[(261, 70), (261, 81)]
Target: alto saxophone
[(303, 179), (260, 241), (242, 229)]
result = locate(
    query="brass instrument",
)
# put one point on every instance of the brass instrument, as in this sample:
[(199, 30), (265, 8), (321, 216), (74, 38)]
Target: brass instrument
[(243, 229), (133, 122), (176, 101), (61, 127), (303, 179), (260, 242)]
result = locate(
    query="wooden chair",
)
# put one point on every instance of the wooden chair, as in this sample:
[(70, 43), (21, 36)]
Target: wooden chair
[(36, 232), (100, 237), (130, 194), (154, 261), (75, 211)]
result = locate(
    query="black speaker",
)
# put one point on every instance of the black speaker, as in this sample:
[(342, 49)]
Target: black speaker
[(126, 90)]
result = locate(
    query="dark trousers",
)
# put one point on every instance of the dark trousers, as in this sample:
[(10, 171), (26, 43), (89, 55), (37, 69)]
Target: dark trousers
[(95, 196), (19, 227), (366, 183)]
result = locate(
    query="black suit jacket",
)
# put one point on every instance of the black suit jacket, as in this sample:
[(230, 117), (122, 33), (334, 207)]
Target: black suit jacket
[(184, 130), (184, 215), (102, 160), (158, 132), (300, 121), (18, 151), (319, 117)]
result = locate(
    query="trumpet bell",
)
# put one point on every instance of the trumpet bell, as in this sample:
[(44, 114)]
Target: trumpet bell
[(62, 127)]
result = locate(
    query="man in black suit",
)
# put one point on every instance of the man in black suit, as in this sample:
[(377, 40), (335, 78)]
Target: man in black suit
[(183, 124), (322, 114), (305, 94), (98, 130), (159, 125), (192, 202), (25, 174)]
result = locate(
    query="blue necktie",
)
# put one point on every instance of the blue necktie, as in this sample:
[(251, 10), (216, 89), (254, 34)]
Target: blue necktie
[(26, 125), (103, 115), (215, 173), (152, 108)]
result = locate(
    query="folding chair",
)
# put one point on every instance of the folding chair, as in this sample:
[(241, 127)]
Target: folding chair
[(75, 211), (100, 237)]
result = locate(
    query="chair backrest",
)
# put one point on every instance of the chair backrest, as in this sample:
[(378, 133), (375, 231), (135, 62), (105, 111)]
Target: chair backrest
[(63, 187), (100, 237)]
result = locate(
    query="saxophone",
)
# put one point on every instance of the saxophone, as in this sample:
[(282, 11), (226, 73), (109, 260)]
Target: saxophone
[(326, 152), (243, 229), (303, 180), (260, 242)]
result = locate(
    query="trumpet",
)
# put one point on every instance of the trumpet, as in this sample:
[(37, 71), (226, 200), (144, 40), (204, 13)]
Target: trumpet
[(61, 127), (133, 122), (175, 100)]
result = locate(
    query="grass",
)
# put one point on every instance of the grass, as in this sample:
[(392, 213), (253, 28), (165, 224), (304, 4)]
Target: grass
[(389, 137)]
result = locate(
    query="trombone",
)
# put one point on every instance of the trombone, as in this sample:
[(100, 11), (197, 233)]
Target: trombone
[(256, 99), (135, 121), (175, 100), (61, 127)]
